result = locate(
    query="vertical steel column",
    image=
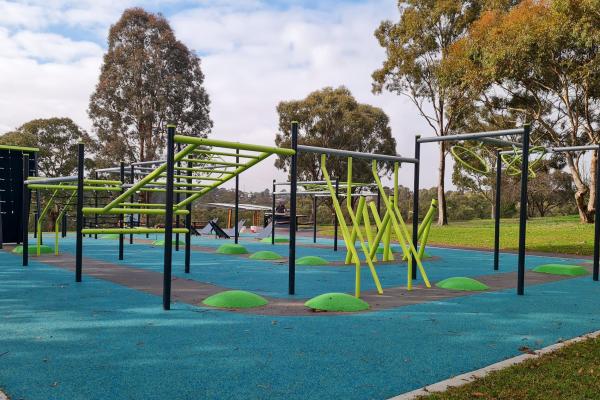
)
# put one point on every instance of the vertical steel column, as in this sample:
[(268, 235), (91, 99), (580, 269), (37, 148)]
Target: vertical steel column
[(314, 218), (121, 216), (131, 221), (597, 220), (35, 221), (415, 216), (236, 232), (1, 236), (25, 215), (497, 196), (79, 235), (96, 205), (293, 188), (273, 215), (38, 205), (64, 225), (177, 200), (523, 211), (188, 223), (335, 220), (168, 252)]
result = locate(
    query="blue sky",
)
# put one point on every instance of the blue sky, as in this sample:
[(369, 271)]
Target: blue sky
[(254, 55)]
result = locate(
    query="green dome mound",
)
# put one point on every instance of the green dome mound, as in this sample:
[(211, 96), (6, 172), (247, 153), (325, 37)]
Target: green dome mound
[(278, 239), (110, 236), (265, 255), (425, 256), (232, 249), (161, 242), (235, 299), (33, 249), (462, 283), (561, 269), (340, 302), (311, 260)]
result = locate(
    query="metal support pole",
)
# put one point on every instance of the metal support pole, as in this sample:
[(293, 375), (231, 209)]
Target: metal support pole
[(177, 200), (64, 225), (597, 220), (121, 219), (236, 232), (273, 216), (79, 235), (335, 220), (131, 221), (523, 211), (25, 216), (36, 216), (497, 196), (38, 204), (314, 219), (188, 225), (96, 205), (168, 252), (293, 189), (415, 216)]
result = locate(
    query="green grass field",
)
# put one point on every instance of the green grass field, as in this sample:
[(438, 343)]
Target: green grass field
[(571, 373), (554, 235)]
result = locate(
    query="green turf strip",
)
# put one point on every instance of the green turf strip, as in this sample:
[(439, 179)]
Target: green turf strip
[(311, 260), (265, 255), (33, 249), (232, 249), (337, 302), (561, 269), (235, 299), (278, 239), (462, 283), (161, 242)]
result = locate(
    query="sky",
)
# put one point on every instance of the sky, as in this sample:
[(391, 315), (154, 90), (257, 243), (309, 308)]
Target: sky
[(254, 54)]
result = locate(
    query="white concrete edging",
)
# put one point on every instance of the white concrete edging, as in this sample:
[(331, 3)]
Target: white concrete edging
[(468, 377)]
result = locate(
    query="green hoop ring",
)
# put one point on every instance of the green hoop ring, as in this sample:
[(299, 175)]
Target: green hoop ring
[(485, 166)]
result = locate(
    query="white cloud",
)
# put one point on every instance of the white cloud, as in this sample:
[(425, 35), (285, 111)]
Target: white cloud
[(253, 56)]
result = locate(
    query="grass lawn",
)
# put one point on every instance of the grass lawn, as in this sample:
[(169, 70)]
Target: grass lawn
[(571, 373), (554, 234)]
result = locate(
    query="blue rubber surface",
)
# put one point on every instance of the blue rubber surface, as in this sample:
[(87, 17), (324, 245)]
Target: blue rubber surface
[(98, 340), (271, 278)]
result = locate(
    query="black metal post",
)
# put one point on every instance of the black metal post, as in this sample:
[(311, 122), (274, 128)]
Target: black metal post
[(168, 252), (293, 188), (96, 205), (335, 220), (64, 225), (314, 219), (236, 232), (415, 216), (177, 200), (273, 215), (79, 235), (36, 216), (121, 216), (131, 220), (25, 216), (38, 200), (1, 235), (523, 211), (188, 224), (596, 268), (497, 196)]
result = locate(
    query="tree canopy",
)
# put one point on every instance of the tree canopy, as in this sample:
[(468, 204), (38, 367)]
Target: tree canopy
[(148, 80), (540, 61), (333, 118), (57, 139)]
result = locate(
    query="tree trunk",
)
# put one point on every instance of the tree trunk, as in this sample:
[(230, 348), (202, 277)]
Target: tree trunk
[(441, 193), (582, 190), (591, 206)]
